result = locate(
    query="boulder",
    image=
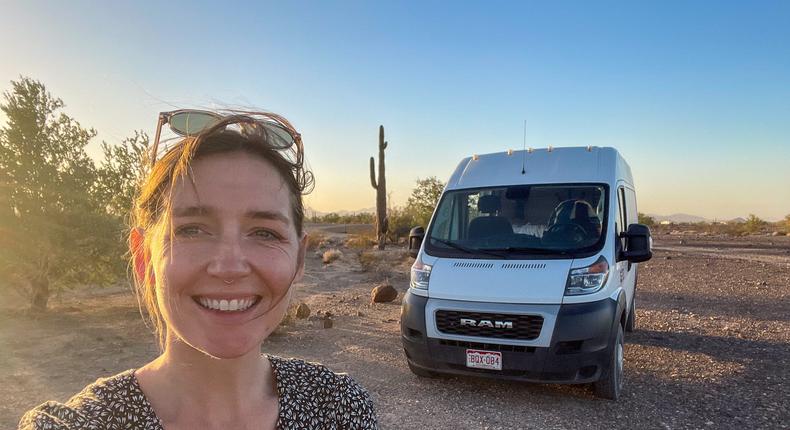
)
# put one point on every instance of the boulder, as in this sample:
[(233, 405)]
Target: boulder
[(383, 293)]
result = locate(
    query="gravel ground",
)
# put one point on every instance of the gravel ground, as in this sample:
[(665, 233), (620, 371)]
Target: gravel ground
[(710, 350)]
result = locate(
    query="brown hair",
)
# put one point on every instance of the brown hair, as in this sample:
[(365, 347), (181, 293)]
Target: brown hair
[(152, 207)]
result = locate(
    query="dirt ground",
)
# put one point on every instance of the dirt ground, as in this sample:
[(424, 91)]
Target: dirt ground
[(711, 348)]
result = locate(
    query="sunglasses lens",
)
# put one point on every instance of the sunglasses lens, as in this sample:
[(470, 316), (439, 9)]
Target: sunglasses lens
[(280, 138), (192, 123)]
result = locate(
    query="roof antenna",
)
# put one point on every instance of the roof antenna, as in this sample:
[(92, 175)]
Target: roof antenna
[(524, 160)]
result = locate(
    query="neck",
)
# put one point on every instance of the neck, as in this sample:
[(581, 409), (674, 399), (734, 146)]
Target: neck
[(184, 380)]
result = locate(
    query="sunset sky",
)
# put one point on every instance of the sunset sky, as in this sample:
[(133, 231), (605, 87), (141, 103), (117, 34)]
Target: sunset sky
[(695, 95)]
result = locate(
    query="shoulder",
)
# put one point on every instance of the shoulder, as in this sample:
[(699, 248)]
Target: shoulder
[(102, 404), (312, 392)]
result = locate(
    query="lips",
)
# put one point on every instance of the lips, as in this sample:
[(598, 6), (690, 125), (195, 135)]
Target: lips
[(227, 304)]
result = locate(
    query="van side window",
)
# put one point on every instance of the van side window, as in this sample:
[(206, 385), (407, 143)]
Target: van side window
[(621, 224), (630, 207)]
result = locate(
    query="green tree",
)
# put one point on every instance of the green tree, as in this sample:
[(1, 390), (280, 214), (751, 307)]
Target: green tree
[(423, 199), (120, 172), (646, 219), (753, 224), (56, 229)]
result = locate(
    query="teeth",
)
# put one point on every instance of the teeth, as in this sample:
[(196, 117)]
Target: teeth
[(226, 305)]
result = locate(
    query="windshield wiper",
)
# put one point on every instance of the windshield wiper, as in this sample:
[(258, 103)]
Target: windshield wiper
[(468, 250), (525, 249)]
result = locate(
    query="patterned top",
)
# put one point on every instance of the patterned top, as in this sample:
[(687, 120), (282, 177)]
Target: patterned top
[(310, 397)]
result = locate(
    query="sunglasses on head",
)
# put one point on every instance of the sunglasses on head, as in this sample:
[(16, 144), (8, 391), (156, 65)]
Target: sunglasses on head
[(192, 122)]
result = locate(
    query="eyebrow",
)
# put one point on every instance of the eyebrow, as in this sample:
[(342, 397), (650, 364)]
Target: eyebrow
[(197, 211)]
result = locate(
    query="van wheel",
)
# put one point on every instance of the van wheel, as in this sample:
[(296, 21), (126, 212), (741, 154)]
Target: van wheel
[(421, 372), (630, 322), (611, 382)]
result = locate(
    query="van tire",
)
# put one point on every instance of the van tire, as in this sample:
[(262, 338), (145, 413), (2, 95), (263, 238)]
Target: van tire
[(630, 322), (421, 372), (610, 384)]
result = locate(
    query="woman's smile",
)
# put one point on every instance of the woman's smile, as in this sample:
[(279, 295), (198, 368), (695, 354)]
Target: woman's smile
[(227, 304)]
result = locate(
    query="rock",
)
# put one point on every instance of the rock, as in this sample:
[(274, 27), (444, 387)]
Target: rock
[(383, 293), (302, 311), (776, 233), (668, 257)]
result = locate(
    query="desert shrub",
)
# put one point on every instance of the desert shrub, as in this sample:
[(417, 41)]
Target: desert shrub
[(361, 241), (646, 219), (334, 218), (753, 224), (401, 221), (331, 255), (315, 239), (368, 260)]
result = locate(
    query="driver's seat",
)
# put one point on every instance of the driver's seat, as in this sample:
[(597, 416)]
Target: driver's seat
[(577, 212)]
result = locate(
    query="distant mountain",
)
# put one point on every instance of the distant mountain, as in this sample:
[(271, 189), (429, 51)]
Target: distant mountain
[(686, 218), (679, 218), (310, 211)]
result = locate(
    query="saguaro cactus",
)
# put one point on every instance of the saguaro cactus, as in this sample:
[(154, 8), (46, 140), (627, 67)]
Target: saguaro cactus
[(382, 223)]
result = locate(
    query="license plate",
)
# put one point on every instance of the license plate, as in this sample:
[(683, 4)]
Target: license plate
[(484, 359)]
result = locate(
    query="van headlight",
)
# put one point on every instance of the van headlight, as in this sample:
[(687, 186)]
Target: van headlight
[(420, 275), (587, 280)]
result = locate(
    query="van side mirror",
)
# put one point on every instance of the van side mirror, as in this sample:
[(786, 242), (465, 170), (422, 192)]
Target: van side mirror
[(415, 240), (638, 243)]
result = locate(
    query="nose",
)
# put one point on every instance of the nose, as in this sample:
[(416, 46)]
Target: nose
[(229, 261)]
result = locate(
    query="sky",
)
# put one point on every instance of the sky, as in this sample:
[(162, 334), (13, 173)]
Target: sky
[(694, 94)]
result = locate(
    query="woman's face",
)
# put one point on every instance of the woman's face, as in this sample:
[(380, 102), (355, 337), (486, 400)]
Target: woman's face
[(234, 254)]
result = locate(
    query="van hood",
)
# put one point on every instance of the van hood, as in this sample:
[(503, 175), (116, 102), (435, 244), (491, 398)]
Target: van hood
[(499, 281)]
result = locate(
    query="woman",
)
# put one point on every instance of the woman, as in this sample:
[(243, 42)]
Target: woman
[(217, 242)]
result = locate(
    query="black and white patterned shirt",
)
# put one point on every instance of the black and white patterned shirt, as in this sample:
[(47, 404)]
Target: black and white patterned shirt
[(310, 397)]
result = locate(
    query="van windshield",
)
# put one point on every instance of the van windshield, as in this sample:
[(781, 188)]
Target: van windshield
[(519, 220)]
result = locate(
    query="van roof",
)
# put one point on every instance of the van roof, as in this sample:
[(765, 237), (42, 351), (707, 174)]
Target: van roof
[(542, 166)]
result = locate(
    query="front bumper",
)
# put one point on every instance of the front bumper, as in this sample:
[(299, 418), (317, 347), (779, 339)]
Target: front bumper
[(579, 346)]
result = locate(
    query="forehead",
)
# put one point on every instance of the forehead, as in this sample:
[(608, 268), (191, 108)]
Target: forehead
[(233, 182)]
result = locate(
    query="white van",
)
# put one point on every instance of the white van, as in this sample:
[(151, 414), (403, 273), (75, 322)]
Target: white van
[(528, 270)]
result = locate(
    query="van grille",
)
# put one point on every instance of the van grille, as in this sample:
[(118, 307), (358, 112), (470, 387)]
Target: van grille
[(525, 327)]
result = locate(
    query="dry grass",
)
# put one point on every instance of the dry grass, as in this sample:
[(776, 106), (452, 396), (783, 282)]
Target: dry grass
[(368, 260), (331, 255), (361, 241), (315, 239)]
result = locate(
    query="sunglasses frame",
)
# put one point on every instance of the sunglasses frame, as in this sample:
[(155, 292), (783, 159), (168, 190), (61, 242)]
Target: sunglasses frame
[(164, 118)]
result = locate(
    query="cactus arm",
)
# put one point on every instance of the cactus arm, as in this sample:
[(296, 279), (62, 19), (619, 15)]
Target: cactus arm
[(373, 174)]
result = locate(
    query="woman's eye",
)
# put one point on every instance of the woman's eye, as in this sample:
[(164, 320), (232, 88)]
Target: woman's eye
[(188, 231), (264, 234)]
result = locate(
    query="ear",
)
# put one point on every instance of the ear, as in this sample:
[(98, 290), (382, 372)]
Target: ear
[(300, 258), (140, 258)]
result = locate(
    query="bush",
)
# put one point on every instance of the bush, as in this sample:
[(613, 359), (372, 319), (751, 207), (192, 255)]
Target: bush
[(361, 241), (332, 255), (315, 239), (646, 219), (753, 224)]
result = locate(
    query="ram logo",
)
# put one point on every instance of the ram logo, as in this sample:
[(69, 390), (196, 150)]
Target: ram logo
[(468, 322)]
